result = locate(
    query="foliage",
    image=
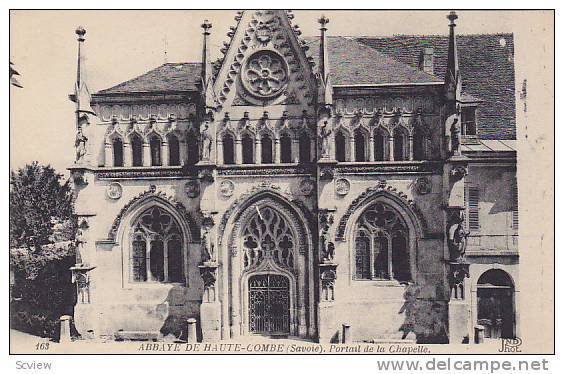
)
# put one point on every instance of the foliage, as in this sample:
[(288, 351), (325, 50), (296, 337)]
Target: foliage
[(38, 201), (42, 289)]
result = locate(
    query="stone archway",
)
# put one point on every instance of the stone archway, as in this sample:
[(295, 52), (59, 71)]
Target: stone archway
[(267, 237), (496, 304)]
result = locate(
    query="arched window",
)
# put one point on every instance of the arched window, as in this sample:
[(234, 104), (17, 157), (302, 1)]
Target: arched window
[(156, 248), (381, 245), (155, 144), (399, 145), (136, 150), (379, 146), (193, 147), (340, 147), (359, 146), (228, 150), (173, 151), (248, 149), (419, 145), (266, 149), (285, 149), (117, 147), (305, 148)]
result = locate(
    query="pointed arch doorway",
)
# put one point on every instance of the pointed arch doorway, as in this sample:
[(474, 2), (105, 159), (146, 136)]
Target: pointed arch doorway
[(271, 289)]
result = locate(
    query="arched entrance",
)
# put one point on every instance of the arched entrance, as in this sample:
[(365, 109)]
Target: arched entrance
[(269, 279), (496, 306)]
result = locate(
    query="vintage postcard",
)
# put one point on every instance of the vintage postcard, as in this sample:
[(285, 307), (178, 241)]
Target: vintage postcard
[(281, 182)]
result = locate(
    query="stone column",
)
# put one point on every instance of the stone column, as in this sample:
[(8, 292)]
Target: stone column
[(238, 150), (326, 312), (108, 155), (371, 148), (146, 154), (127, 156), (277, 151), (313, 150), (165, 160), (410, 147), (210, 309), (258, 150), (65, 336), (191, 336), (458, 270), (352, 153), (220, 150), (183, 152), (296, 149), (391, 147)]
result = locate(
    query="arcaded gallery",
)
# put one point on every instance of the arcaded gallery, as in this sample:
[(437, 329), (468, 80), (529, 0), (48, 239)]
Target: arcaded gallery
[(325, 188)]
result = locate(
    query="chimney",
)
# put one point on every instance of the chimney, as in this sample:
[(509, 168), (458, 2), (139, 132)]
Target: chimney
[(426, 60)]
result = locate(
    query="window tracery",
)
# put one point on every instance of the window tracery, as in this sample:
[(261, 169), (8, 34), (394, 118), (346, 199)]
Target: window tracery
[(268, 236), (156, 248), (381, 245)]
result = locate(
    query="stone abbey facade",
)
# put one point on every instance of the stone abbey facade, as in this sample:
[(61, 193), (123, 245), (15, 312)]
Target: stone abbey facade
[(299, 184)]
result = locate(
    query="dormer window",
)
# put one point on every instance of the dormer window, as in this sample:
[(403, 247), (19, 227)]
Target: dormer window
[(468, 115)]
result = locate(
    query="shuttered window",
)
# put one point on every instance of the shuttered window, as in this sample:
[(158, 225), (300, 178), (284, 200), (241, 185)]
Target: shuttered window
[(473, 208)]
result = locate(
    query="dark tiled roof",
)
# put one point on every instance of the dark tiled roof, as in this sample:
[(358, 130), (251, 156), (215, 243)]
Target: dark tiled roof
[(354, 63), (487, 69), (167, 77)]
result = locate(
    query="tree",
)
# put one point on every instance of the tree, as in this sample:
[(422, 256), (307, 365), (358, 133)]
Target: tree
[(38, 201)]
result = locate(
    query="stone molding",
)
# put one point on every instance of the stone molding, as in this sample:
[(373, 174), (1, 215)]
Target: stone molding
[(168, 201)]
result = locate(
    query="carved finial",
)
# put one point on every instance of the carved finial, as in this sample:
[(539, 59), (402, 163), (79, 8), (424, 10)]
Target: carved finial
[(452, 17), (206, 26), (80, 31), (323, 21)]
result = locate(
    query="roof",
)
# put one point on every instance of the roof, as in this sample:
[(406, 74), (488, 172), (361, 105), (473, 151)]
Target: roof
[(486, 65), (485, 145), (354, 63), (168, 77)]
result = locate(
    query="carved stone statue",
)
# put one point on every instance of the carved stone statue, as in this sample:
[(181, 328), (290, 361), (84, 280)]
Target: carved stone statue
[(457, 240), (208, 246), (324, 133), (205, 142), (80, 145), (327, 248), (452, 128)]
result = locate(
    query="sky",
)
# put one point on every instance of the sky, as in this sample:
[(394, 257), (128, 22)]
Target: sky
[(121, 45)]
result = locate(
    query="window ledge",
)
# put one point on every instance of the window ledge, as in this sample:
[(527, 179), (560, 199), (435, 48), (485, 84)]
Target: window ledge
[(381, 282), (151, 285)]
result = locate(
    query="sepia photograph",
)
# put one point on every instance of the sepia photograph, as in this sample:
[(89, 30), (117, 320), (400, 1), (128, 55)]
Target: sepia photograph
[(281, 182)]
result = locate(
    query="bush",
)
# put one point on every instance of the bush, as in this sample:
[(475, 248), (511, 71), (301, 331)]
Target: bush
[(42, 290)]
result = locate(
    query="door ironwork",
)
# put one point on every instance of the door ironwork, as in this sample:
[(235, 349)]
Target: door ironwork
[(269, 304)]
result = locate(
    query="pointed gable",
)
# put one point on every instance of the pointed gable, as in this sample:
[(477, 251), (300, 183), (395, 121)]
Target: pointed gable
[(264, 63)]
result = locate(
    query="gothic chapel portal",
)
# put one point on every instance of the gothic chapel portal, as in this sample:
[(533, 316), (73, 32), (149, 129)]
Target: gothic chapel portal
[(297, 185)]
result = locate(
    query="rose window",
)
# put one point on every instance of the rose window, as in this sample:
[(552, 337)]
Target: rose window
[(265, 74)]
